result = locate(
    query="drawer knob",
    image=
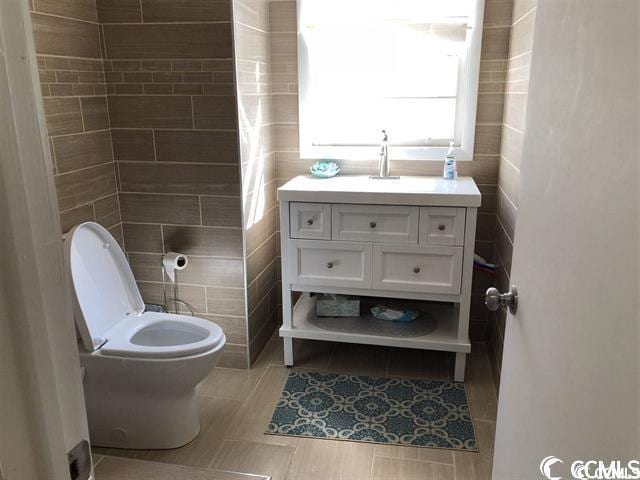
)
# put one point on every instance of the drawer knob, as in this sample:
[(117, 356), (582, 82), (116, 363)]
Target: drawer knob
[(441, 227), (329, 264), (372, 224), (416, 269), (310, 222)]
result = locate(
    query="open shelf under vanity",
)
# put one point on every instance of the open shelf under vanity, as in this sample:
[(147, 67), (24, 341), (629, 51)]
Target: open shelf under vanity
[(436, 328)]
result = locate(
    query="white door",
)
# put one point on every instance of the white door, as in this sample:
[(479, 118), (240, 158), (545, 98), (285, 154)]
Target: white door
[(42, 412), (570, 373)]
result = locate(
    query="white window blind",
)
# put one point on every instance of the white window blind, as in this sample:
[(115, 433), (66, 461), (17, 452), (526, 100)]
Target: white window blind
[(399, 65)]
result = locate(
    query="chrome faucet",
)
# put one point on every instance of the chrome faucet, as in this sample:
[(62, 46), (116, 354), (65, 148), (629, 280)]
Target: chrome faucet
[(383, 165)]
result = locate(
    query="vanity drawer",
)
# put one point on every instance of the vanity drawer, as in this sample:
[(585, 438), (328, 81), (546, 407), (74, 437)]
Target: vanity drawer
[(310, 220), (417, 268), (339, 264), (442, 225), (375, 223)]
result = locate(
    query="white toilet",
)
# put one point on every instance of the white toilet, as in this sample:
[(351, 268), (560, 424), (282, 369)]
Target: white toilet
[(141, 368)]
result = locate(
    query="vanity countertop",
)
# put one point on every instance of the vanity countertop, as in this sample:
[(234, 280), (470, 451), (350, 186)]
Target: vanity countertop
[(406, 190)]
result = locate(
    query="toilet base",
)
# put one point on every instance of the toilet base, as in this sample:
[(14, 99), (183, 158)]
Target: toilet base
[(141, 403), (133, 424)]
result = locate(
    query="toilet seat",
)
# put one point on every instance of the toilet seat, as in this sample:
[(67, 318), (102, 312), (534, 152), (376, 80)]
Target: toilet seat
[(109, 310), (161, 335)]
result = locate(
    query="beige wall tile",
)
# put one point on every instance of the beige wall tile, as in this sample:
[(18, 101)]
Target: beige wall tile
[(82, 150), (507, 214), (221, 211), (495, 43), (196, 146), (234, 328), (490, 106), (215, 272), (150, 112), (260, 231), (146, 267), (210, 241), (62, 36), (199, 179), (522, 7), (511, 145), (260, 340), (142, 237), (285, 108), (186, 10), (157, 293), (515, 110), (487, 141), (510, 181), (233, 356), (486, 227), (146, 208), (94, 113), (498, 13), (133, 145), (282, 16), (107, 211), (119, 11), (504, 248), (75, 216), (522, 35), (83, 186), (261, 258), (77, 9), (153, 41), (215, 112), (63, 115), (226, 301)]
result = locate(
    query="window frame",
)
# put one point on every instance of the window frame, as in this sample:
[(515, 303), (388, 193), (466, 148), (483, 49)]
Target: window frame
[(465, 110)]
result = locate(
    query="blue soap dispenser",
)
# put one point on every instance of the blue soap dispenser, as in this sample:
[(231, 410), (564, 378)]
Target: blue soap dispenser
[(450, 168)]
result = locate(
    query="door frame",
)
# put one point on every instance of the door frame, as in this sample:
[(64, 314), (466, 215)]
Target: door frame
[(42, 402)]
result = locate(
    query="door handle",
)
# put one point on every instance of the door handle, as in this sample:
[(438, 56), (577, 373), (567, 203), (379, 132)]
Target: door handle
[(495, 300)]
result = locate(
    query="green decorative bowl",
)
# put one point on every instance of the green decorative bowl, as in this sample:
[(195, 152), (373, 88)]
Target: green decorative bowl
[(324, 169)]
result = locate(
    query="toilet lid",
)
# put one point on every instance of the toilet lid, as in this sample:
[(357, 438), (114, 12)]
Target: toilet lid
[(104, 288)]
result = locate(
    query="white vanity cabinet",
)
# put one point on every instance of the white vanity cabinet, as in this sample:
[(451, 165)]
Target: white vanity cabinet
[(410, 238)]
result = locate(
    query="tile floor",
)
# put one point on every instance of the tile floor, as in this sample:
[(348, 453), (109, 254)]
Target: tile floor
[(236, 406)]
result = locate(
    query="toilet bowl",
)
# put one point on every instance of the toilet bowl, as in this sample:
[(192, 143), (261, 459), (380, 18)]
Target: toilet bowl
[(141, 368)]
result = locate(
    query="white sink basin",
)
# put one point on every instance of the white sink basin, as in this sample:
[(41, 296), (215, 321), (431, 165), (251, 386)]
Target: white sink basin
[(407, 190)]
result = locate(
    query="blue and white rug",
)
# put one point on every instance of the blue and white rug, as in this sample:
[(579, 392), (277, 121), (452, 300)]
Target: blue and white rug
[(418, 413)]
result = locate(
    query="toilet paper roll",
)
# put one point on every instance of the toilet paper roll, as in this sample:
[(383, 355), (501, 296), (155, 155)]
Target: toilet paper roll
[(173, 262)]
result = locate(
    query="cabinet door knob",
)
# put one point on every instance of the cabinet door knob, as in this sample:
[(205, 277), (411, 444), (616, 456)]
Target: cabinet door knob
[(372, 224), (310, 221), (416, 269), (441, 227), (329, 264)]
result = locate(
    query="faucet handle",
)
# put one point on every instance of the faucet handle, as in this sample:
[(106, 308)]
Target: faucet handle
[(384, 135)]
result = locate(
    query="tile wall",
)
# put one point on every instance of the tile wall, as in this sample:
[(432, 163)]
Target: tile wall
[(255, 117), (515, 105), (67, 41), (169, 77), (152, 137), (485, 166)]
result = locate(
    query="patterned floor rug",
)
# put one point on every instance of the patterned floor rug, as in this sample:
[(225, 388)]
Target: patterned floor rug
[(418, 413)]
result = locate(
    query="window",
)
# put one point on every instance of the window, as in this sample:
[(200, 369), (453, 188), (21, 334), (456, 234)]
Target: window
[(409, 67)]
